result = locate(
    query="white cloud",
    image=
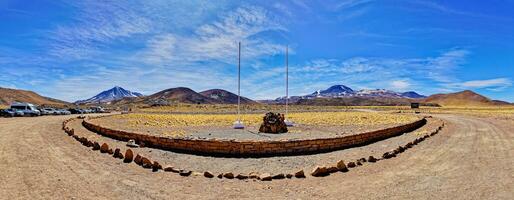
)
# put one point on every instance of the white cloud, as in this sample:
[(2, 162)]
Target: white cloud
[(217, 41), (387, 73), (400, 85), (492, 84), (96, 24)]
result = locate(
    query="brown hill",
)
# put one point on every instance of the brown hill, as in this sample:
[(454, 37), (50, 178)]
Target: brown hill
[(7, 96), (225, 97), (180, 95), (464, 98)]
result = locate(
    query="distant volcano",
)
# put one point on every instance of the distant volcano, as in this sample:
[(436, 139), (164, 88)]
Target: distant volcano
[(113, 94)]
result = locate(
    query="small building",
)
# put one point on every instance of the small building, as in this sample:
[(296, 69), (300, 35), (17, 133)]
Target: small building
[(414, 105)]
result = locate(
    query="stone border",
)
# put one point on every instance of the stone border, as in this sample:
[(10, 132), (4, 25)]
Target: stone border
[(250, 148), (318, 171)]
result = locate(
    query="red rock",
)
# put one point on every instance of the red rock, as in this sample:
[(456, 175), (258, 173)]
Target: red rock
[(138, 159), (104, 148), (208, 174), (351, 165), (278, 176), (319, 171), (341, 166), (242, 176), (156, 166), (128, 156), (299, 174), (146, 163), (372, 159), (229, 175), (96, 146)]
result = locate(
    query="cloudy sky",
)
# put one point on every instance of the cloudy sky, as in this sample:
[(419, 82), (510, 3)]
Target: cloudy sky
[(74, 49)]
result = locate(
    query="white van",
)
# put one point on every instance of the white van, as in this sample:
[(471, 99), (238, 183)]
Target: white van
[(27, 109)]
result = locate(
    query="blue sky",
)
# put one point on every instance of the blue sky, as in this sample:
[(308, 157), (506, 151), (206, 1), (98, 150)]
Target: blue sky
[(74, 49)]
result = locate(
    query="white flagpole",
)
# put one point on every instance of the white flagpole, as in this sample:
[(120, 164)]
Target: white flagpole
[(239, 84), (238, 124), (287, 79), (288, 123)]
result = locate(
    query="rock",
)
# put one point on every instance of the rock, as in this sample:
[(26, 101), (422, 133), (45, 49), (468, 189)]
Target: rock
[(171, 169), (156, 166), (137, 160), (242, 176), (362, 160), (332, 169), (146, 163), (220, 175), (358, 162), (273, 123), (401, 149), (117, 153), (229, 175), (351, 165), (319, 171), (253, 175), (96, 146), (387, 155), (132, 143), (372, 159), (299, 174), (279, 176), (185, 172), (265, 177), (104, 148), (128, 156), (208, 174), (289, 176), (110, 151), (341, 166)]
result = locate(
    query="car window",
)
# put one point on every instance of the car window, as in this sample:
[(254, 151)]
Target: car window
[(18, 107)]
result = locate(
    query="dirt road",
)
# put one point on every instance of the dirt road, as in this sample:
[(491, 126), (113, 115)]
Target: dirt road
[(471, 158)]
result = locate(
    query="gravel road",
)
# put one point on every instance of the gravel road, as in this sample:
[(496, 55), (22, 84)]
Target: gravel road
[(472, 158)]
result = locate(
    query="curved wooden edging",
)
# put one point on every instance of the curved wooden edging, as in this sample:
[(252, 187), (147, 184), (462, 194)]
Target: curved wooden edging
[(249, 148)]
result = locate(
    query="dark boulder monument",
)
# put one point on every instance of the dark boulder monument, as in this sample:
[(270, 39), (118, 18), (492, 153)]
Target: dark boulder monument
[(273, 123)]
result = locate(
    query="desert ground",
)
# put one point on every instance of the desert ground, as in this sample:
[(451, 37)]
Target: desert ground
[(471, 158)]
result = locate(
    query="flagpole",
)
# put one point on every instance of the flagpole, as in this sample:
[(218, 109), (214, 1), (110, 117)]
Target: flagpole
[(239, 84), (287, 79), (238, 124), (286, 121)]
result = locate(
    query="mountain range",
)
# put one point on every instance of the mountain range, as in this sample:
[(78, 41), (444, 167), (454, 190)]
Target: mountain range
[(184, 95), (334, 95), (342, 91)]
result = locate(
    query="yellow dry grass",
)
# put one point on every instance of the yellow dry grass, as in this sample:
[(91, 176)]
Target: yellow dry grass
[(308, 118)]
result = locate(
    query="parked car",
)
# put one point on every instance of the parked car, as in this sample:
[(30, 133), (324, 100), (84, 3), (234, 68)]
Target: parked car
[(10, 113), (98, 109), (27, 109), (64, 112), (49, 111), (76, 111)]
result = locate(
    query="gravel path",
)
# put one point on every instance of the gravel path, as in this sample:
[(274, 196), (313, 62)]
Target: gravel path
[(470, 159)]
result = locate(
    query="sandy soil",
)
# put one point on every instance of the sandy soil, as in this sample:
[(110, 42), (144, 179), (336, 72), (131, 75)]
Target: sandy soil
[(470, 159), (272, 165)]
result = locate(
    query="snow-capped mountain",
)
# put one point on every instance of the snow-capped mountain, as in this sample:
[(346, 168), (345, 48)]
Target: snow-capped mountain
[(341, 91), (334, 91), (115, 93)]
